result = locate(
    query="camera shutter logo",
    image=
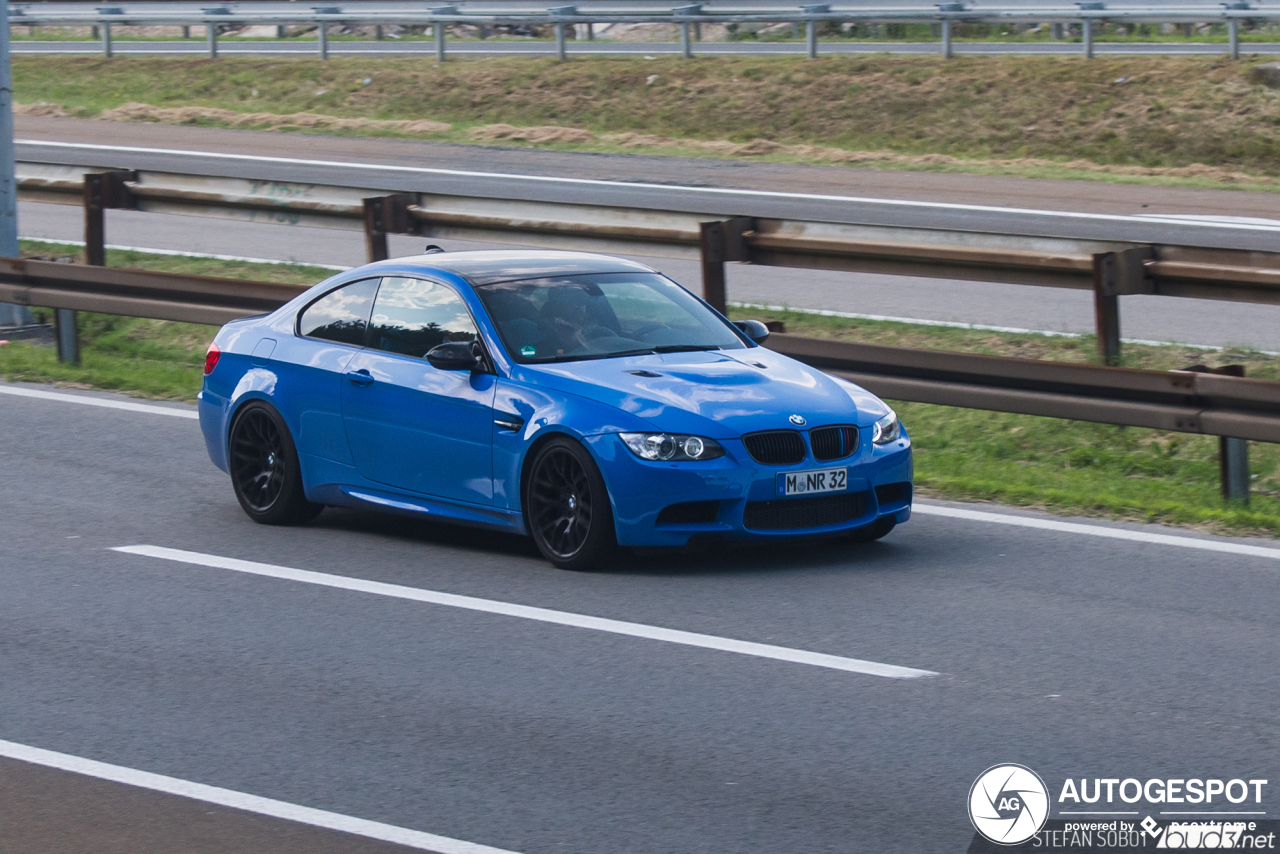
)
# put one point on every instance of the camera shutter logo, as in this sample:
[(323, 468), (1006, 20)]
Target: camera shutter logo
[(1008, 804)]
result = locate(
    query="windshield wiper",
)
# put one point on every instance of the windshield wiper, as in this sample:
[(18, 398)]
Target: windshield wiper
[(685, 348)]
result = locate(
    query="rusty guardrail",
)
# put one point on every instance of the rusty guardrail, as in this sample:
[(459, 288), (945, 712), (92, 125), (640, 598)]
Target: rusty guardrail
[(1180, 401), (1109, 268)]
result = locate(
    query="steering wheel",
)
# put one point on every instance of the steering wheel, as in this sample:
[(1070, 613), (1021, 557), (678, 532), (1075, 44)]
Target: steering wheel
[(644, 330)]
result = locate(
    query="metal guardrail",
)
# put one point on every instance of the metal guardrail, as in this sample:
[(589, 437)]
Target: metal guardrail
[(684, 16), (1177, 401), (1231, 407), (1109, 268)]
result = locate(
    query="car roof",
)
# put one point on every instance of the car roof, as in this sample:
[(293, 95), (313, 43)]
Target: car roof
[(489, 267)]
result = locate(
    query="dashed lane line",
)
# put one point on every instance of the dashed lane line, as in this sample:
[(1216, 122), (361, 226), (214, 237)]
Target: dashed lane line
[(526, 612), (243, 801)]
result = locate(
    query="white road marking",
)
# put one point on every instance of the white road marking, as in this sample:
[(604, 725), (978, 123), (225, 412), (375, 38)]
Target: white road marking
[(666, 188), (98, 401), (526, 612), (242, 801), (1096, 531)]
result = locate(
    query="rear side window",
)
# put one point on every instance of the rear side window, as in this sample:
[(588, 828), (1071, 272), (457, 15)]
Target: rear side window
[(340, 315), (411, 316)]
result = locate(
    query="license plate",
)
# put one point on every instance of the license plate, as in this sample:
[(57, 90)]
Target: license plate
[(813, 482)]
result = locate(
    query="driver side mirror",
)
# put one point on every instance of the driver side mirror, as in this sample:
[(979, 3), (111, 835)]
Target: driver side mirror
[(753, 329), (456, 356)]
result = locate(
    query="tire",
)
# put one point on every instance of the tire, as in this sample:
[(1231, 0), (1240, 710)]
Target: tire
[(567, 509), (264, 467), (876, 530)]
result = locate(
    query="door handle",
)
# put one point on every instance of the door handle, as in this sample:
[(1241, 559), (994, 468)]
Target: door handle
[(360, 377)]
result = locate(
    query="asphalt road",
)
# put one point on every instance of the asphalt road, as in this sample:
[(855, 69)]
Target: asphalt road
[(603, 47), (1064, 208), (1076, 655)]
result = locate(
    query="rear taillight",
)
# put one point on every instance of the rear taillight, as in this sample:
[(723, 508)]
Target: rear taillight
[(211, 359)]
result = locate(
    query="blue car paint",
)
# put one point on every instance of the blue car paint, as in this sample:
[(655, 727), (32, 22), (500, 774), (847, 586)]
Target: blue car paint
[(393, 451)]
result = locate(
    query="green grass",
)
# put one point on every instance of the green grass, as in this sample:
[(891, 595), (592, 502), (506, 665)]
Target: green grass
[(147, 358), (1023, 115), (1068, 467)]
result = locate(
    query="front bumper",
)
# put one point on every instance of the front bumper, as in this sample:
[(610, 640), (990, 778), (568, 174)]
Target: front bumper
[(640, 491)]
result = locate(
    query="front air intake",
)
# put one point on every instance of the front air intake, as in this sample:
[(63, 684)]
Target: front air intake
[(795, 513), (776, 447)]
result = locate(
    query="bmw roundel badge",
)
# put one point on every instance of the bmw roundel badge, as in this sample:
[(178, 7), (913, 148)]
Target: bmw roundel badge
[(797, 420)]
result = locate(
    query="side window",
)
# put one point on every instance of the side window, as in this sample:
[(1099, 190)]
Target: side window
[(340, 315), (410, 316)]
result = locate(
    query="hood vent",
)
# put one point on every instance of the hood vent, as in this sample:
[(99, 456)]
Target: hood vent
[(644, 373)]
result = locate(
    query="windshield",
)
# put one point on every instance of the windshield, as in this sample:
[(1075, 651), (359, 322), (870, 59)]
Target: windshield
[(599, 315)]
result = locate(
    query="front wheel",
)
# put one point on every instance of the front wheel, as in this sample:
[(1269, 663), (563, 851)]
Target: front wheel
[(567, 507), (264, 468)]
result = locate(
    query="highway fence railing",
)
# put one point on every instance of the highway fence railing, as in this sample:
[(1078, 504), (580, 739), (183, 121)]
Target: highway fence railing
[(1109, 269), (1235, 408), (686, 17)]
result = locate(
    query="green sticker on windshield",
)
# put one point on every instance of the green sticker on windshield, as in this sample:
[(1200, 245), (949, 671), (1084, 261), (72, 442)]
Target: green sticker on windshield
[(528, 351)]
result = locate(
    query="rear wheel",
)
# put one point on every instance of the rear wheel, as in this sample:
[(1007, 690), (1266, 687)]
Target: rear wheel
[(567, 507), (264, 468)]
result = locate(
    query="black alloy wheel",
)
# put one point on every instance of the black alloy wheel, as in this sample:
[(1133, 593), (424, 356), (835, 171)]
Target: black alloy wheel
[(567, 507), (264, 468)]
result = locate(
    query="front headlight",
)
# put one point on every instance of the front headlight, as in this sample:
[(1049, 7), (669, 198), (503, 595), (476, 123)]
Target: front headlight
[(887, 429), (662, 447)]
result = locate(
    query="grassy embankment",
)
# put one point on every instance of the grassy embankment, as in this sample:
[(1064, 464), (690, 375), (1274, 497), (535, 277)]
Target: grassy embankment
[(1191, 121), (1065, 466)]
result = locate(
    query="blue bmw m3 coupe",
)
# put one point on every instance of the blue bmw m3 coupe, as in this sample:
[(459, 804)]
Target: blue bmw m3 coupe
[(584, 400)]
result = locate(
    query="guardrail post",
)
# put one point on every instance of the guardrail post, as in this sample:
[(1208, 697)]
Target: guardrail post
[(559, 26), (1116, 274), (322, 39), (722, 241), (377, 32), (1086, 27), (1233, 454), (211, 35), (1106, 311), (437, 30), (385, 215), (713, 280), (67, 329), (811, 28), (103, 190), (1233, 37), (106, 40), (685, 50), (946, 38)]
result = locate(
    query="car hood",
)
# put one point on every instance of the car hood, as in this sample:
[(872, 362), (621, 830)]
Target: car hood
[(720, 394)]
